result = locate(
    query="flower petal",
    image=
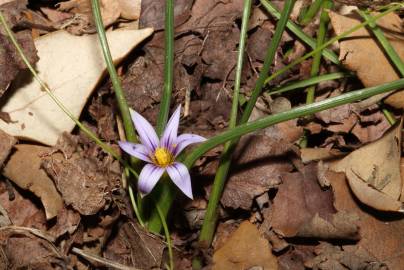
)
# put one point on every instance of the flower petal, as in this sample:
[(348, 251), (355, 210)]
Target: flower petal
[(147, 135), (186, 139), (171, 130), (181, 178), (137, 150), (148, 178)]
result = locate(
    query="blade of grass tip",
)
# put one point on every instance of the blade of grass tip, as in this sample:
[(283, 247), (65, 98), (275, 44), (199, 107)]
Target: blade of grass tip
[(308, 82), (301, 111), (43, 85), (295, 29), (331, 41), (389, 50), (315, 66), (164, 189), (211, 215), (311, 12)]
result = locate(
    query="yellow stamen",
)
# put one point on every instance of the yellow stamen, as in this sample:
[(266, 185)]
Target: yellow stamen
[(163, 157)]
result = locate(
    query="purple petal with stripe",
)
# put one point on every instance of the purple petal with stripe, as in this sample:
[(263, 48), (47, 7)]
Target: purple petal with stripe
[(137, 150), (170, 133), (147, 135), (179, 174), (148, 178), (186, 139)]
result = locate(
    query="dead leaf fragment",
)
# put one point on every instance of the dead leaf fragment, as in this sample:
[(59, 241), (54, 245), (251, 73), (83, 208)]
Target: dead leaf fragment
[(316, 154), (24, 169), (244, 249), (81, 183), (6, 143), (361, 53), (373, 171), (72, 78)]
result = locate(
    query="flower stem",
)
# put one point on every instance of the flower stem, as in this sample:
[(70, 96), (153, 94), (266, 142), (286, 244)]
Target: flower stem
[(295, 29), (210, 219), (311, 12)]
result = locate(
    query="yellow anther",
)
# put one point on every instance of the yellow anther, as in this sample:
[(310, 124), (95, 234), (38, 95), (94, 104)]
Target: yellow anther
[(163, 157)]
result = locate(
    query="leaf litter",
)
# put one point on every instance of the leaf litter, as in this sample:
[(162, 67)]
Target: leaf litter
[(282, 208)]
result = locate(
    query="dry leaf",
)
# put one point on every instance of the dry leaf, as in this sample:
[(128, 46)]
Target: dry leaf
[(381, 234), (373, 171), (79, 180), (72, 67), (316, 154), (301, 208), (6, 143), (245, 248), (24, 169), (361, 53)]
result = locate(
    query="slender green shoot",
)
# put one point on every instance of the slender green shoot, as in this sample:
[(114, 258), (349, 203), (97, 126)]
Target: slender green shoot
[(210, 220), (168, 67), (295, 29), (308, 82), (311, 12), (331, 41), (168, 237)]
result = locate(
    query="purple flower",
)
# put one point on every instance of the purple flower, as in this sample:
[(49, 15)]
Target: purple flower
[(160, 154)]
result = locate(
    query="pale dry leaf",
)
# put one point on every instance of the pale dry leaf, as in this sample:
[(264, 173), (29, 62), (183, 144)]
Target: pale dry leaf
[(130, 9), (24, 169), (6, 144), (316, 154), (361, 53), (244, 249), (373, 171), (71, 66)]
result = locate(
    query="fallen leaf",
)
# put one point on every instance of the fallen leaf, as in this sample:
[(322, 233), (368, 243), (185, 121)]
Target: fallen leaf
[(381, 235), (302, 208), (6, 144), (373, 171), (361, 52), (72, 78), (82, 184), (245, 248), (315, 154), (24, 169), (10, 64)]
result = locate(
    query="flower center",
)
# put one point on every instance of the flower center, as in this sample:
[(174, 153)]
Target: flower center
[(163, 157)]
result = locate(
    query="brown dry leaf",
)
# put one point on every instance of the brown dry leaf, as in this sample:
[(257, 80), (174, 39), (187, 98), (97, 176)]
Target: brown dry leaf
[(80, 181), (6, 144), (10, 62), (24, 250), (373, 171), (301, 208), (244, 249), (24, 169), (316, 154), (135, 247), (331, 257), (258, 167), (362, 54), (381, 234), (72, 79)]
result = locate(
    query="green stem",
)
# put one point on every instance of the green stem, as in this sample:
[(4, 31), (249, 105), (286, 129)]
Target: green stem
[(295, 29), (168, 67), (167, 235), (301, 111), (210, 220), (329, 42), (311, 12), (308, 82)]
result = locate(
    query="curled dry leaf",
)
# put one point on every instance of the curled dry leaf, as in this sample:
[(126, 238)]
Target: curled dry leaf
[(24, 169), (373, 171), (6, 144), (244, 249), (381, 234), (10, 64), (301, 208), (361, 53), (72, 78), (79, 180)]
